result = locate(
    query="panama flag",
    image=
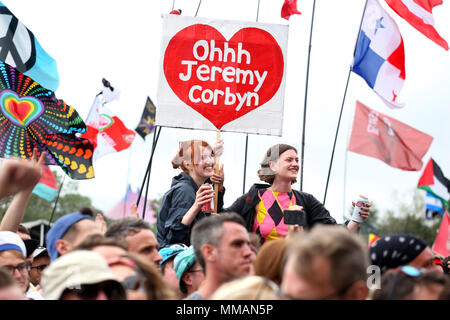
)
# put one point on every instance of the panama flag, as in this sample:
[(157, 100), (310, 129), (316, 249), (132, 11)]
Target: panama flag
[(379, 54), (433, 181), (419, 14)]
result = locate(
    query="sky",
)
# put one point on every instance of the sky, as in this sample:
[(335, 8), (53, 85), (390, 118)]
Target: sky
[(120, 41)]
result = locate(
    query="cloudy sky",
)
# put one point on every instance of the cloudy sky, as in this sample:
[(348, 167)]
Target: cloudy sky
[(120, 41)]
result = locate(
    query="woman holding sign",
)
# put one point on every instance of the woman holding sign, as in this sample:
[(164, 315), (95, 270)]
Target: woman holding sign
[(274, 210), (190, 194)]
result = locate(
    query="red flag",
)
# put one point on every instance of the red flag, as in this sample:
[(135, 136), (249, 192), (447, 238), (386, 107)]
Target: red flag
[(393, 142), (442, 243), (419, 14), (289, 8)]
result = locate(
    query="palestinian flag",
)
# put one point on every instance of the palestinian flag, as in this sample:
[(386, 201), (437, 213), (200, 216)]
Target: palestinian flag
[(372, 239), (434, 182)]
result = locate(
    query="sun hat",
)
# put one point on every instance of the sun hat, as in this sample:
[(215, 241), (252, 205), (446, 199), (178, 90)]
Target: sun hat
[(73, 269)]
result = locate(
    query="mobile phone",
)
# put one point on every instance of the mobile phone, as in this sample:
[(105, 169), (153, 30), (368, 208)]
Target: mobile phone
[(292, 217)]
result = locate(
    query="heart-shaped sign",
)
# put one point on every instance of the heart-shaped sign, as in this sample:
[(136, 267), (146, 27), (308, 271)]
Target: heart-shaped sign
[(20, 110), (223, 79)]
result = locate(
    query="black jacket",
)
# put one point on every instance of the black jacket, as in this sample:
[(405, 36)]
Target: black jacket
[(174, 205), (315, 211)]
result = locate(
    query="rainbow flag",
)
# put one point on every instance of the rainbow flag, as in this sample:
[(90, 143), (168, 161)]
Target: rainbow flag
[(46, 188), (372, 239)]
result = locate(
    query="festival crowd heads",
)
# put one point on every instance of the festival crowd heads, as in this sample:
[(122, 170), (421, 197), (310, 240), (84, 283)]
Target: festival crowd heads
[(272, 243), (247, 251)]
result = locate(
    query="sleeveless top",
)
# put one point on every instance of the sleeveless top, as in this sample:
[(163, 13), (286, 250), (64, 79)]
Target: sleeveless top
[(269, 219)]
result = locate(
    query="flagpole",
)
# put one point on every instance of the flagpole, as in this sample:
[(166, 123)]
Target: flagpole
[(342, 107), (306, 99), (146, 171), (56, 201), (173, 4), (198, 7), (345, 173), (128, 176), (246, 137), (149, 169), (245, 163)]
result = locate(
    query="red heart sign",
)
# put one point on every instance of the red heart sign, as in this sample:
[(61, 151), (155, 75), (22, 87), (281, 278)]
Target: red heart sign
[(223, 79)]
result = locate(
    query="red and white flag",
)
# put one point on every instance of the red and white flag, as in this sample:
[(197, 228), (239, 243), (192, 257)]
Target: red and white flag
[(442, 243), (106, 131), (289, 8), (391, 141), (419, 14)]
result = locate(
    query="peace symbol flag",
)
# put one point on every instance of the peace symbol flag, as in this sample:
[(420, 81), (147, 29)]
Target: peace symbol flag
[(20, 49), (32, 117)]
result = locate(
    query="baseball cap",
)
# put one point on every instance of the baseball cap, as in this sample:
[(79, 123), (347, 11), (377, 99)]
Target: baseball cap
[(12, 241), (171, 251), (74, 269), (182, 263), (58, 230), (39, 251)]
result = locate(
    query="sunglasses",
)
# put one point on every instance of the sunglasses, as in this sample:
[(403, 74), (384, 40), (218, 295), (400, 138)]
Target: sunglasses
[(22, 268), (111, 289), (40, 268), (133, 282)]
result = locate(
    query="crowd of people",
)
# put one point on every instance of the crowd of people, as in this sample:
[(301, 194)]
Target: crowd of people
[(246, 251)]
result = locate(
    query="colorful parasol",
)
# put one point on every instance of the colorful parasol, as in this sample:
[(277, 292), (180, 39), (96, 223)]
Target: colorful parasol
[(32, 117)]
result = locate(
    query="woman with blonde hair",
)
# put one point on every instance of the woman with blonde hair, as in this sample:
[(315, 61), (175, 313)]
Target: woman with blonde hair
[(181, 206)]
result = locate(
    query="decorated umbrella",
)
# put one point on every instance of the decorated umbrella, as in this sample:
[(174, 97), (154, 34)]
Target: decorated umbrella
[(32, 117)]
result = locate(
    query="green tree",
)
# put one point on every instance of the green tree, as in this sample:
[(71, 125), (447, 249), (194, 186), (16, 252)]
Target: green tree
[(69, 201), (406, 218), (410, 218)]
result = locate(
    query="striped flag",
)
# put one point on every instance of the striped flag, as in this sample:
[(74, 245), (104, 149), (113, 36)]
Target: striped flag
[(419, 14), (434, 182), (433, 206)]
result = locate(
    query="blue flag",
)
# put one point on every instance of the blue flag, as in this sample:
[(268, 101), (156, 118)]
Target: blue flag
[(20, 49)]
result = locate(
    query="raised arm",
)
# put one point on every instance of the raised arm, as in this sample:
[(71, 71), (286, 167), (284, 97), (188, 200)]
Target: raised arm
[(18, 178)]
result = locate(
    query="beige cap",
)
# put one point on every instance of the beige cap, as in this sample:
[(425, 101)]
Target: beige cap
[(74, 269)]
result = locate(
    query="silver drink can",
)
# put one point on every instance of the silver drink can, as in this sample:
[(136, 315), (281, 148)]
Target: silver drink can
[(359, 203)]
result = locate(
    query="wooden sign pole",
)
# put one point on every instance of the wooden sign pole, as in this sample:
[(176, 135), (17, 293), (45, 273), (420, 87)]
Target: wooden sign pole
[(216, 186)]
